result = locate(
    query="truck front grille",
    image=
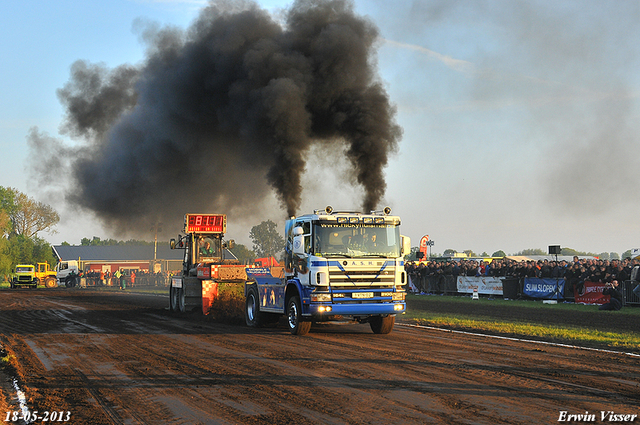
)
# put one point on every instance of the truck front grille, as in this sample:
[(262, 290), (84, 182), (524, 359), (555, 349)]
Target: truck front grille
[(368, 278)]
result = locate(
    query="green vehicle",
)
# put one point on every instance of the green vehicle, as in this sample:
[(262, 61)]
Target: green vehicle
[(29, 275)]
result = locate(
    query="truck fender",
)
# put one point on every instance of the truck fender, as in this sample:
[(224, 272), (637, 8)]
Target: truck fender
[(294, 287)]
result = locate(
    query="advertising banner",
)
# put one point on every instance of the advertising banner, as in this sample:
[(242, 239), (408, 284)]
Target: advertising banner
[(591, 293), (536, 287), (485, 284)]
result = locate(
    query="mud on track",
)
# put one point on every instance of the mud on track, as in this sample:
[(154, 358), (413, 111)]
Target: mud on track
[(118, 358)]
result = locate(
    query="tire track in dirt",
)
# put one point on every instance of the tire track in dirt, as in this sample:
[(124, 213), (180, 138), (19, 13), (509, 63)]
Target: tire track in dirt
[(116, 359)]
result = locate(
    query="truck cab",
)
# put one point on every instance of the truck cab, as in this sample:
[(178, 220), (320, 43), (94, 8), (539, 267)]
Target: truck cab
[(67, 273), (25, 275), (338, 265)]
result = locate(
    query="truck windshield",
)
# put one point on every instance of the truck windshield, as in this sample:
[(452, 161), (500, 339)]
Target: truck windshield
[(209, 249), (24, 269), (337, 240)]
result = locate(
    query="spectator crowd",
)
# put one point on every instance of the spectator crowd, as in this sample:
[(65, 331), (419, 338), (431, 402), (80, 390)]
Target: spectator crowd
[(574, 272)]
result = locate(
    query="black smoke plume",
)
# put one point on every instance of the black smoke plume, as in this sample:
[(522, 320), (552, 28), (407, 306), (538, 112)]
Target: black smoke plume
[(219, 112)]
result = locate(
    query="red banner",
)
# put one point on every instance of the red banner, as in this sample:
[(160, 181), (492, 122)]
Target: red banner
[(591, 294), (424, 243)]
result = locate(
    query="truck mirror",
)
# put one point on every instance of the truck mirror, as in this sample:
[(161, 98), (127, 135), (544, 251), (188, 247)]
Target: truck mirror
[(172, 243), (298, 244), (231, 244), (406, 244)]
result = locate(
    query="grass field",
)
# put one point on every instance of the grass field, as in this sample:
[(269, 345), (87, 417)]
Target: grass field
[(568, 323)]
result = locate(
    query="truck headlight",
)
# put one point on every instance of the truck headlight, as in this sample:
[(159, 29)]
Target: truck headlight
[(321, 298)]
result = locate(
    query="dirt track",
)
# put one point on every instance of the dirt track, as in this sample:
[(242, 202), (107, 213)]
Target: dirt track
[(116, 358)]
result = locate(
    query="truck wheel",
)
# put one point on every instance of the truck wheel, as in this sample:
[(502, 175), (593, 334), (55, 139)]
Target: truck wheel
[(181, 300), (176, 299), (252, 314), (382, 325), (50, 282), (297, 325), (35, 283), (173, 299)]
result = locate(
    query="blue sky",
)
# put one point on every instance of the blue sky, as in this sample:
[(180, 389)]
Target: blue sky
[(520, 119)]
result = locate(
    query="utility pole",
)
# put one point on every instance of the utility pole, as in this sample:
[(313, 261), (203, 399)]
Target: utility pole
[(157, 228)]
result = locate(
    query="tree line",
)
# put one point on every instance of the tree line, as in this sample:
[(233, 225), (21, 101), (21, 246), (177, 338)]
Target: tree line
[(524, 252), (267, 242), (21, 219)]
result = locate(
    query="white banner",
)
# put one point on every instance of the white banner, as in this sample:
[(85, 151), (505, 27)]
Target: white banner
[(485, 284)]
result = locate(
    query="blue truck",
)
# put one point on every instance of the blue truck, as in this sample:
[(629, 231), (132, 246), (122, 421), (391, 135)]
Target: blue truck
[(339, 265)]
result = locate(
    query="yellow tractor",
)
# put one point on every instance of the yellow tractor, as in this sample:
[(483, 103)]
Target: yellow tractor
[(32, 276)]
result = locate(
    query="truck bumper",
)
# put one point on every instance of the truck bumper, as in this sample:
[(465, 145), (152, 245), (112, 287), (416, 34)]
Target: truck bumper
[(328, 309)]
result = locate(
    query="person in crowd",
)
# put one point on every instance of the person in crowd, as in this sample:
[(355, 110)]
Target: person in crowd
[(615, 300), (546, 271), (572, 277)]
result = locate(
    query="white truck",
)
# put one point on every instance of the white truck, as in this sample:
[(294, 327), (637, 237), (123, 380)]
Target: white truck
[(68, 272), (339, 265)]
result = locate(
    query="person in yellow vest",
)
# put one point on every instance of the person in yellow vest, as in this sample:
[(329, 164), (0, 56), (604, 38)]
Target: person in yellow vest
[(120, 276)]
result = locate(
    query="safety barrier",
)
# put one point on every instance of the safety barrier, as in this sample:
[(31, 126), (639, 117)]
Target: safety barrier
[(511, 288), (628, 297)]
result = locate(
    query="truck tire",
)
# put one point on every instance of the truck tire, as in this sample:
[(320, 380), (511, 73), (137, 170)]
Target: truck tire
[(173, 298), (382, 325), (297, 325), (51, 282), (252, 314), (181, 300)]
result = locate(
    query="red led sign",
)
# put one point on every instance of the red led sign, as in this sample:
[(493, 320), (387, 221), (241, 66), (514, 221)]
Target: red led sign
[(205, 223)]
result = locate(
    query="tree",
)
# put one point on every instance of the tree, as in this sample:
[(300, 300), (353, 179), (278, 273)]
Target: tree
[(534, 251), (21, 218), (27, 216), (412, 256), (244, 254), (449, 252), (267, 241), (499, 253), (570, 251), (96, 241), (18, 249), (7, 209)]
